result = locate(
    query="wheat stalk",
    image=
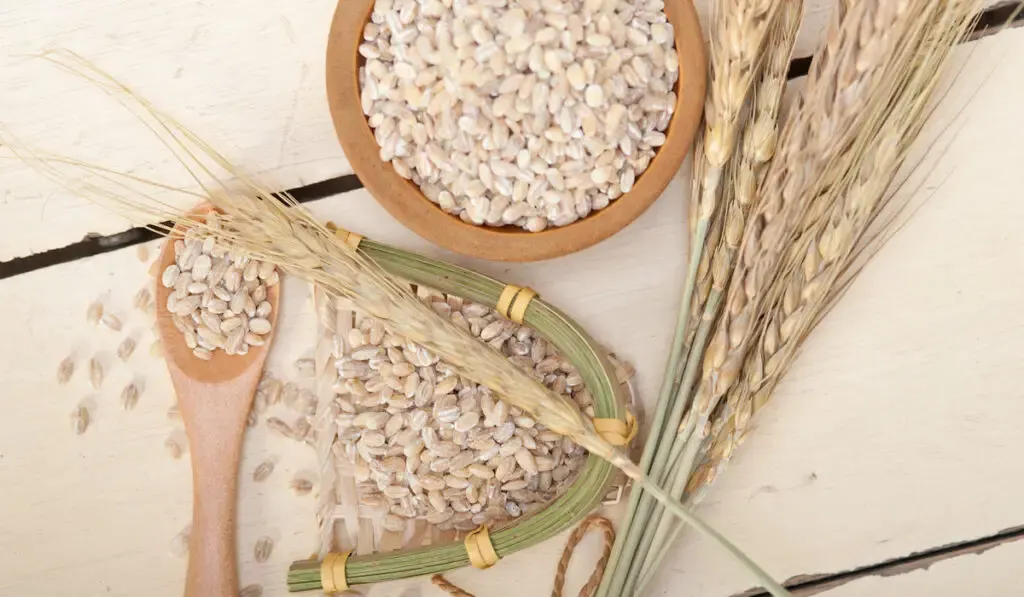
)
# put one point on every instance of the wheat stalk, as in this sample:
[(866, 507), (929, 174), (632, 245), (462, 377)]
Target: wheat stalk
[(735, 60), (832, 225), (757, 148), (855, 65), (827, 246), (741, 32)]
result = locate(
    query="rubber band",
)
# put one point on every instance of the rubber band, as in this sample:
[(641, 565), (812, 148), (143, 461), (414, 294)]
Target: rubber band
[(513, 301), (615, 431), (351, 239), (479, 548), (332, 572)]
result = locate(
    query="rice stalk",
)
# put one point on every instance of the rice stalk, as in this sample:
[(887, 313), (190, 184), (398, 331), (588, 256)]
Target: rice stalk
[(273, 227)]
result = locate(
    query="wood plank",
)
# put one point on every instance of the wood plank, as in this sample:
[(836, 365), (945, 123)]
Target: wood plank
[(136, 499), (903, 405), (896, 430), (247, 77)]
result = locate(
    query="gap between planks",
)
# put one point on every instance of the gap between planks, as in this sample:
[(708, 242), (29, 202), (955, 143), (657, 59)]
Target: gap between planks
[(814, 584), (95, 244)]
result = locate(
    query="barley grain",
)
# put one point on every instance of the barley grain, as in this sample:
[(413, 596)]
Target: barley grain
[(548, 110), (96, 373), (276, 424), (301, 486), (65, 370), (263, 471), (143, 299), (111, 321), (126, 348), (263, 548), (129, 396), (173, 447), (179, 545), (80, 419)]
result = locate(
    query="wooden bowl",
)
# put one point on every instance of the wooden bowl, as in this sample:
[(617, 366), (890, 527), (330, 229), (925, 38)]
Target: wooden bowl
[(406, 202)]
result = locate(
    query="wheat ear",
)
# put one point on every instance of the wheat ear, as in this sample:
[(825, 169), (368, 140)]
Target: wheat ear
[(845, 78), (735, 47), (757, 147), (827, 245), (832, 226), (735, 50)]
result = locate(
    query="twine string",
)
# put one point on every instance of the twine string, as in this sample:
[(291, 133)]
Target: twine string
[(591, 522)]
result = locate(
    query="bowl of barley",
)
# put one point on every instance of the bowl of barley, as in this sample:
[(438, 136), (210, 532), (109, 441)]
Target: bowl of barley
[(515, 130)]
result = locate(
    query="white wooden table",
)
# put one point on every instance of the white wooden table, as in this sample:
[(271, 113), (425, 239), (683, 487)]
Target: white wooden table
[(889, 464)]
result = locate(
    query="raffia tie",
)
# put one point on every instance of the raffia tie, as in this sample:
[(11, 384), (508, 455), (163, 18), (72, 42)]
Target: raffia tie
[(332, 572), (349, 238), (513, 302), (616, 432), (591, 522)]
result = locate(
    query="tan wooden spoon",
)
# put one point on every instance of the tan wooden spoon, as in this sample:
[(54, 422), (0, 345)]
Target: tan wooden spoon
[(214, 398)]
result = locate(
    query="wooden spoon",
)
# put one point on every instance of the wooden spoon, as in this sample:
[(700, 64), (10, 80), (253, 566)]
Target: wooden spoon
[(214, 398)]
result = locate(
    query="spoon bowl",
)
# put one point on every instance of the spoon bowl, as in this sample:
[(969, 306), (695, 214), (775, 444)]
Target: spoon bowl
[(222, 366)]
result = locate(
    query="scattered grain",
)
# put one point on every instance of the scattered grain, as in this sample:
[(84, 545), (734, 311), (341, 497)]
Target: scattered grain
[(301, 486), (263, 471), (80, 419), (111, 321), (65, 370), (180, 543), (94, 313), (173, 447), (264, 547), (126, 348), (95, 373), (129, 396)]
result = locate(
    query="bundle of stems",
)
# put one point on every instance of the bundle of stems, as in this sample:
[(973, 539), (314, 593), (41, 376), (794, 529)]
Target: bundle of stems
[(273, 227), (774, 246)]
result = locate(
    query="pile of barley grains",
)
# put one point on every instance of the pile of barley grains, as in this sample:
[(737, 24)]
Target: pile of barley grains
[(519, 112), (220, 297), (429, 444)]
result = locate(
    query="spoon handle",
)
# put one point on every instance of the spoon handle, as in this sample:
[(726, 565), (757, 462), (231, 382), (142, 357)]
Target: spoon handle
[(215, 419)]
